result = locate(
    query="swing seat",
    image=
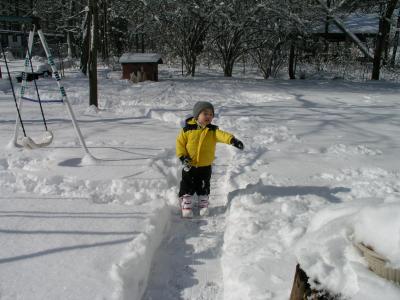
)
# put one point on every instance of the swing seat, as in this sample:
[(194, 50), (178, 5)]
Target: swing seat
[(46, 140)]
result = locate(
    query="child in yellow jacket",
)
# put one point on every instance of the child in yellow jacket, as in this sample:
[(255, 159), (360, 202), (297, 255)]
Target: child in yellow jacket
[(195, 147)]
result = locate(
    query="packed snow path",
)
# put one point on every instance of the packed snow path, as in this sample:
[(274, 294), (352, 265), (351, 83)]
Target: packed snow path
[(187, 265)]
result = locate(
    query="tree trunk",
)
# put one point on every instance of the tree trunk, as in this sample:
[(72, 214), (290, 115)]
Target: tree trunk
[(85, 43), (93, 53), (274, 60), (291, 61), (228, 66), (228, 69), (69, 45), (70, 36), (268, 72), (395, 42), (193, 69), (104, 31), (384, 27), (189, 61)]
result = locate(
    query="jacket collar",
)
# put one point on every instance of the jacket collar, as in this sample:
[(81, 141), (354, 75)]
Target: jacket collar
[(193, 121)]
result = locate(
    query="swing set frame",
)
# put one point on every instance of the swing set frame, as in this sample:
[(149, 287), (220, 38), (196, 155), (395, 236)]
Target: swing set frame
[(28, 142)]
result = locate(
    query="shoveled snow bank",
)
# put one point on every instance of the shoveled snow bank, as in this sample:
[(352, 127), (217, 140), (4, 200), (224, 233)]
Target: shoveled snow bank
[(132, 271), (65, 248), (379, 227), (263, 225), (327, 252), (80, 237)]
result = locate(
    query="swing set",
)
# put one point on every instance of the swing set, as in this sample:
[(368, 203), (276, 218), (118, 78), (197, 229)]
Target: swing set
[(47, 137)]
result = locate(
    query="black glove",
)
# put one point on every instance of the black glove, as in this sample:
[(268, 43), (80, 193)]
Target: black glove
[(236, 143), (186, 162)]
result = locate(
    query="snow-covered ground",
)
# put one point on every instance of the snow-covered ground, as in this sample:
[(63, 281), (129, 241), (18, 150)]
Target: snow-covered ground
[(320, 172)]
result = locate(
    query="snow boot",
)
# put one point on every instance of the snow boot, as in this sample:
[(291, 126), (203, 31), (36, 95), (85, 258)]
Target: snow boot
[(186, 206), (203, 205)]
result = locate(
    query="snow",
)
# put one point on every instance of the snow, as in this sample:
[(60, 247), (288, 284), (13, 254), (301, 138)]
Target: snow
[(140, 58), (355, 22), (319, 173), (381, 222)]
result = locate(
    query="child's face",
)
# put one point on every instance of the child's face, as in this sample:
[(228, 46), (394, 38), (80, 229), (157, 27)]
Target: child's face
[(205, 117)]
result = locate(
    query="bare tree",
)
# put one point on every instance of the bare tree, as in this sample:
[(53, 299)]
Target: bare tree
[(269, 56), (185, 25), (284, 25), (235, 31), (331, 13), (384, 28), (396, 41)]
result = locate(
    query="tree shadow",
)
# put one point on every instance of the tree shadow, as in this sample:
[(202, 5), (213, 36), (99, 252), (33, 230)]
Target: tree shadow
[(45, 235), (71, 162), (67, 232), (72, 215), (77, 161), (63, 249), (273, 192)]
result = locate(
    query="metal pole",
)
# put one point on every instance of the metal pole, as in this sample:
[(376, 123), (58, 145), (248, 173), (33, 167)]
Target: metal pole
[(12, 88), (23, 84), (63, 93)]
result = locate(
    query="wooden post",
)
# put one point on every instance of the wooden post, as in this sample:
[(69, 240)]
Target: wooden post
[(301, 288)]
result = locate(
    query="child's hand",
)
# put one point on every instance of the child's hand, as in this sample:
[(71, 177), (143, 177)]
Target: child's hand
[(186, 162), (237, 143)]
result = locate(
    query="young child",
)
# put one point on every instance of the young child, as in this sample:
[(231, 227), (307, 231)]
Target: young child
[(195, 147)]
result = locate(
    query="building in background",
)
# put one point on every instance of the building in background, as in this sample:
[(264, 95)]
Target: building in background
[(15, 27), (140, 66)]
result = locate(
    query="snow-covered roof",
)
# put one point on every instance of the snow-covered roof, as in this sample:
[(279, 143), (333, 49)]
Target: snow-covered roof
[(356, 23), (140, 58)]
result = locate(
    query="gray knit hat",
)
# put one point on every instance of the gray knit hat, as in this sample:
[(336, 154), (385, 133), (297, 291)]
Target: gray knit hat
[(200, 106)]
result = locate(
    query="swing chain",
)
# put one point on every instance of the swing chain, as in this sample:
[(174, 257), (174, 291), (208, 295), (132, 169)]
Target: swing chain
[(12, 88)]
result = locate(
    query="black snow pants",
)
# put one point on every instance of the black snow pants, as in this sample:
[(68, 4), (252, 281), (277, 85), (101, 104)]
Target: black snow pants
[(196, 180)]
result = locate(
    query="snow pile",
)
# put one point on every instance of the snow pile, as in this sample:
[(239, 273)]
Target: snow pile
[(326, 251), (379, 227), (328, 255), (265, 222)]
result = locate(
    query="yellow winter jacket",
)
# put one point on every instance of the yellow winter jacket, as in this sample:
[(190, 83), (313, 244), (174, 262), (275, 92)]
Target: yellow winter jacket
[(199, 143)]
